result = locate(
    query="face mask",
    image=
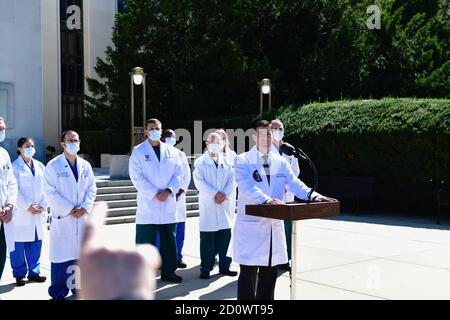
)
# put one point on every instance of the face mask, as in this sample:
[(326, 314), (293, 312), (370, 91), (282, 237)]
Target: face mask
[(72, 148), (2, 135), (214, 148), (29, 152), (171, 141), (154, 135), (278, 135)]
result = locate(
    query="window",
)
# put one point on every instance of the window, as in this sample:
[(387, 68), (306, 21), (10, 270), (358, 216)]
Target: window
[(121, 6)]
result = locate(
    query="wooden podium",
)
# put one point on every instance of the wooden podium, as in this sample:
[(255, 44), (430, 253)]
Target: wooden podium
[(294, 211)]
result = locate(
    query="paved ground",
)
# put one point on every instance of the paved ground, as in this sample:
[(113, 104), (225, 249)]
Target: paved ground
[(365, 257)]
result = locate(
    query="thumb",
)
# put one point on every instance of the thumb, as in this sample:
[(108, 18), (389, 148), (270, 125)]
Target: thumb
[(94, 223)]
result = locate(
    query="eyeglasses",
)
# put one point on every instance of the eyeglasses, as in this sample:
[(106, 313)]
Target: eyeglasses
[(154, 129), (278, 129), (72, 141)]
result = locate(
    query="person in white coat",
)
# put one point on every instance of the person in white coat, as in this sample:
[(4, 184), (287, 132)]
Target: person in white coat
[(29, 215), (278, 135), (155, 171), (170, 138), (214, 179), (231, 157), (8, 195), (259, 244), (70, 192)]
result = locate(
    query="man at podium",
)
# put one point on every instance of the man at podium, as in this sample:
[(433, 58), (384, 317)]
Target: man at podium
[(259, 244)]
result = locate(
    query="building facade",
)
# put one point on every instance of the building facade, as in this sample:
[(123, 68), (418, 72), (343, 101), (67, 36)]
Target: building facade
[(47, 49)]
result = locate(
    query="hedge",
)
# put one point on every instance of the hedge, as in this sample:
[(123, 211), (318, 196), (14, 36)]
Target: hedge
[(403, 143)]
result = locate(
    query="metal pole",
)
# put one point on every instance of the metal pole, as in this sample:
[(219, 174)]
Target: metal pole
[(132, 114), (270, 99), (260, 103), (294, 261), (144, 103)]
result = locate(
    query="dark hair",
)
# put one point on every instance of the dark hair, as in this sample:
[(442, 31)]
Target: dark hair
[(261, 124), (167, 134), (153, 120), (63, 135), (21, 142)]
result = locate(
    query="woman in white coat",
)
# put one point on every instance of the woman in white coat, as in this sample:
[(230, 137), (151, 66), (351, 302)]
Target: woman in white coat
[(29, 215), (214, 179), (8, 194), (70, 192)]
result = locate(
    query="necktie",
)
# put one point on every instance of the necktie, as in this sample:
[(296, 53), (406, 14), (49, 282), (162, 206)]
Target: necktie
[(266, 166)]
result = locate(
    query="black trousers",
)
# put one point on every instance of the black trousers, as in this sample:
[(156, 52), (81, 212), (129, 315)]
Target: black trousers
[(257, 282)]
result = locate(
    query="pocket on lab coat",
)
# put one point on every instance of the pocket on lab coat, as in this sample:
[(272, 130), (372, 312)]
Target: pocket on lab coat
[(63, 228)]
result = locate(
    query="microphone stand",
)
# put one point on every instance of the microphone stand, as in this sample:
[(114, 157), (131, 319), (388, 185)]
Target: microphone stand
[(301, 154)]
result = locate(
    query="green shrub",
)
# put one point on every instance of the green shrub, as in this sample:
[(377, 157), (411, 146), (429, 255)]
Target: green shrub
[(403, 143)]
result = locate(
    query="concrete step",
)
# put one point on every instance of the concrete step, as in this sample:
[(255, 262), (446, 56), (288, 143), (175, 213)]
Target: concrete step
[(132, 218), (122, 203), (115, 190), (120, 208), (116, 196), (132, 196), (113, 183)]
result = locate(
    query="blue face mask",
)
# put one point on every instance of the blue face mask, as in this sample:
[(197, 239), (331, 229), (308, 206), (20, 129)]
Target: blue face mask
[(278, 135), (72, 148), (214, 148), (154, 135), (2, 135), (29, 152), (171, 141)]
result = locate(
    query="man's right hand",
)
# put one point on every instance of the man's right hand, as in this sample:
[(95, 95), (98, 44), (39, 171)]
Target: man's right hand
[(35, 209), (274, 202), (220, 197)]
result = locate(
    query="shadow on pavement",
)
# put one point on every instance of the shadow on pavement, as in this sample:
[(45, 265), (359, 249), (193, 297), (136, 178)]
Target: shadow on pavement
[(192, 282), (394, 219), (7, 288)]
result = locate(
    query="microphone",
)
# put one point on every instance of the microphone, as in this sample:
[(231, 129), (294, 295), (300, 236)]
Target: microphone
[(290, 150)]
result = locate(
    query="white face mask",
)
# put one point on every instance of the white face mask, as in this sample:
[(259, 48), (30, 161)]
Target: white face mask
[(214, 147), (2, 135), (72, 148), (29, 152), (154, 135), (171, 141), (278, 135)]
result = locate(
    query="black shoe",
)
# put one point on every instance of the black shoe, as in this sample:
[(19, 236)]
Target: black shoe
[(228, 272), (182, 265), (20, 282), (284, 267), (37, 278), (173, 278), (205, 275)]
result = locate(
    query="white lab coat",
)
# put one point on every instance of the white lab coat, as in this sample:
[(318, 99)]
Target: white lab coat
[(63, 193), (209, 180), (231, 157), (30, 192), (150, 175), (8, 194), (252, 235), (185, 180), (293, 161)]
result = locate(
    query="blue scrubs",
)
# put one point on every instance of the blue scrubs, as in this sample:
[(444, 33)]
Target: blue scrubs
[(26, 258), (181, 227), (59, 276)]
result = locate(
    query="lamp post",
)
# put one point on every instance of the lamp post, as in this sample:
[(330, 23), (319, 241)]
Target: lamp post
[(137, 78), (265, 88)]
